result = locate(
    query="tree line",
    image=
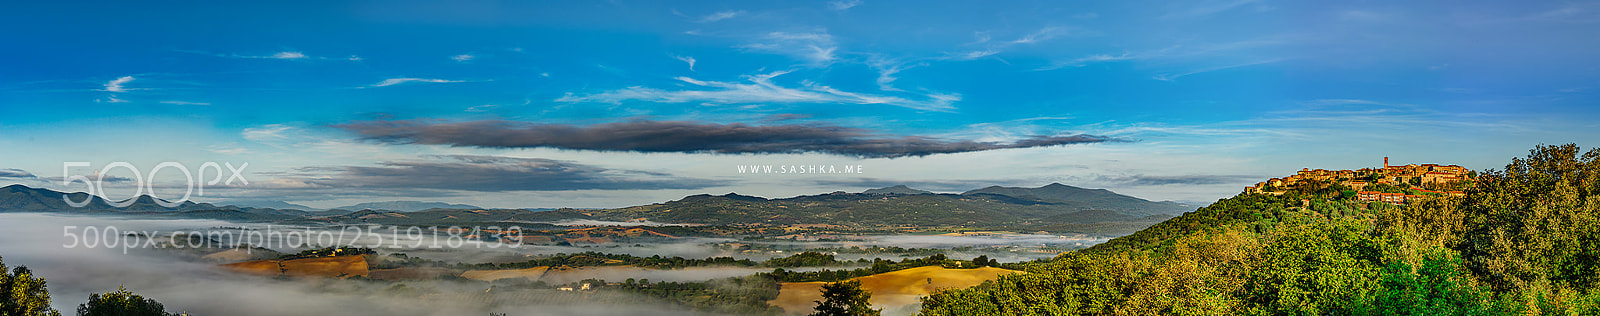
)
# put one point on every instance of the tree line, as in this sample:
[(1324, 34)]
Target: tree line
[(24, 294), (1524, 240)]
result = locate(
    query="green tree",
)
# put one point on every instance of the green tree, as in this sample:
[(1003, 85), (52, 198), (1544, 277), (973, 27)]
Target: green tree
[(121, 303), (1537, 223), (1309, 269), (23, 294), (845, 299), (1438, 287)]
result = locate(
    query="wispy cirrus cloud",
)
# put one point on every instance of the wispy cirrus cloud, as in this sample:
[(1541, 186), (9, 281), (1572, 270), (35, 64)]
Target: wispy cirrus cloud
[(761, 89), (463, 57), (719, 16), (267, 134), (282, 55), (689, 137), (971, 55), (1205, 8), (815, 47), (1040, 35), (115, 85), (1175, 54), (175, 102), (1172, 77), (111, 99), (887, 68), (991, 47), (395, 81), (288, 55), (842, 5), (686, 59), (1091, 59)]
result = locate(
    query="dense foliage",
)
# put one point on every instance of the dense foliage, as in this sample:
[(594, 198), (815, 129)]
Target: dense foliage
[(22, 293), (121, 303), (804, 259), (879, 265), (1524, 240), (328, 252), (587, 259), (741, 296)]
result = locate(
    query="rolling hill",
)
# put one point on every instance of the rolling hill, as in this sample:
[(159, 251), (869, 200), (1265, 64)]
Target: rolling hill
[(1097, 199), (404, 206), (20, 198), (1054, 204), (899, 189), (889, 207)]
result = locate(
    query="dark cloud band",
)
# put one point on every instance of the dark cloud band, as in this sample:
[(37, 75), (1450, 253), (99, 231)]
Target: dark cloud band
[(500, 174), (687, 137), (16, 173)]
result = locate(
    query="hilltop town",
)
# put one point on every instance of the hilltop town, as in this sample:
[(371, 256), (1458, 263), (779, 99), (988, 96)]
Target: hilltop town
[(1390, 184)]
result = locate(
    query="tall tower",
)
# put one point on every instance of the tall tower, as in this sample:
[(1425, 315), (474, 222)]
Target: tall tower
[(1385, 162)]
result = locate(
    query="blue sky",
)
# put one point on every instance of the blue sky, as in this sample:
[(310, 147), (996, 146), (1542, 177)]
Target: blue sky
[(338, 102)]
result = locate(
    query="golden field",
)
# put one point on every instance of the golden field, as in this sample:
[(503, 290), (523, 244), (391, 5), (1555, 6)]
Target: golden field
[(892, 290)]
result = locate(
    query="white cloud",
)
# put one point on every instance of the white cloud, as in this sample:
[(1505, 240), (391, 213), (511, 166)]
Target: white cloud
[(687, 59), (544, 74), (887, 68), (115, 85), (1171, 77), (1204, 8), (266, 133), (974, 54), (463, 57), (185, 103), (817, 47), (482, 108), (1179, 53), (395, 81), (980, 38), (984, 39), (1040, 35), (842, 5), (288, 55), (227, 149), (283, 55), (719, 16), (1086, 60), (761, 89), (1338, 102)]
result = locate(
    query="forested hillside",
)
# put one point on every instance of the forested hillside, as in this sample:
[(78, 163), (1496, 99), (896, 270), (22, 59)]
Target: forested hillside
[(1524, 240), (902, 206)]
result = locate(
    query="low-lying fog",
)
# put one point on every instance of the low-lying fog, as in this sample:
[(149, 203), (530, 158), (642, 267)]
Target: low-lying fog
[(184, 284), (36, 240)]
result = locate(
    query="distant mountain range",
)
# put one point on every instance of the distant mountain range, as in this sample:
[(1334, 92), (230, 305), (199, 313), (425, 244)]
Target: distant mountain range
[(1053, 204), (1095, 199), (899, 189), (20, 198), (273, 204), (901, 205), (404, 206)]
